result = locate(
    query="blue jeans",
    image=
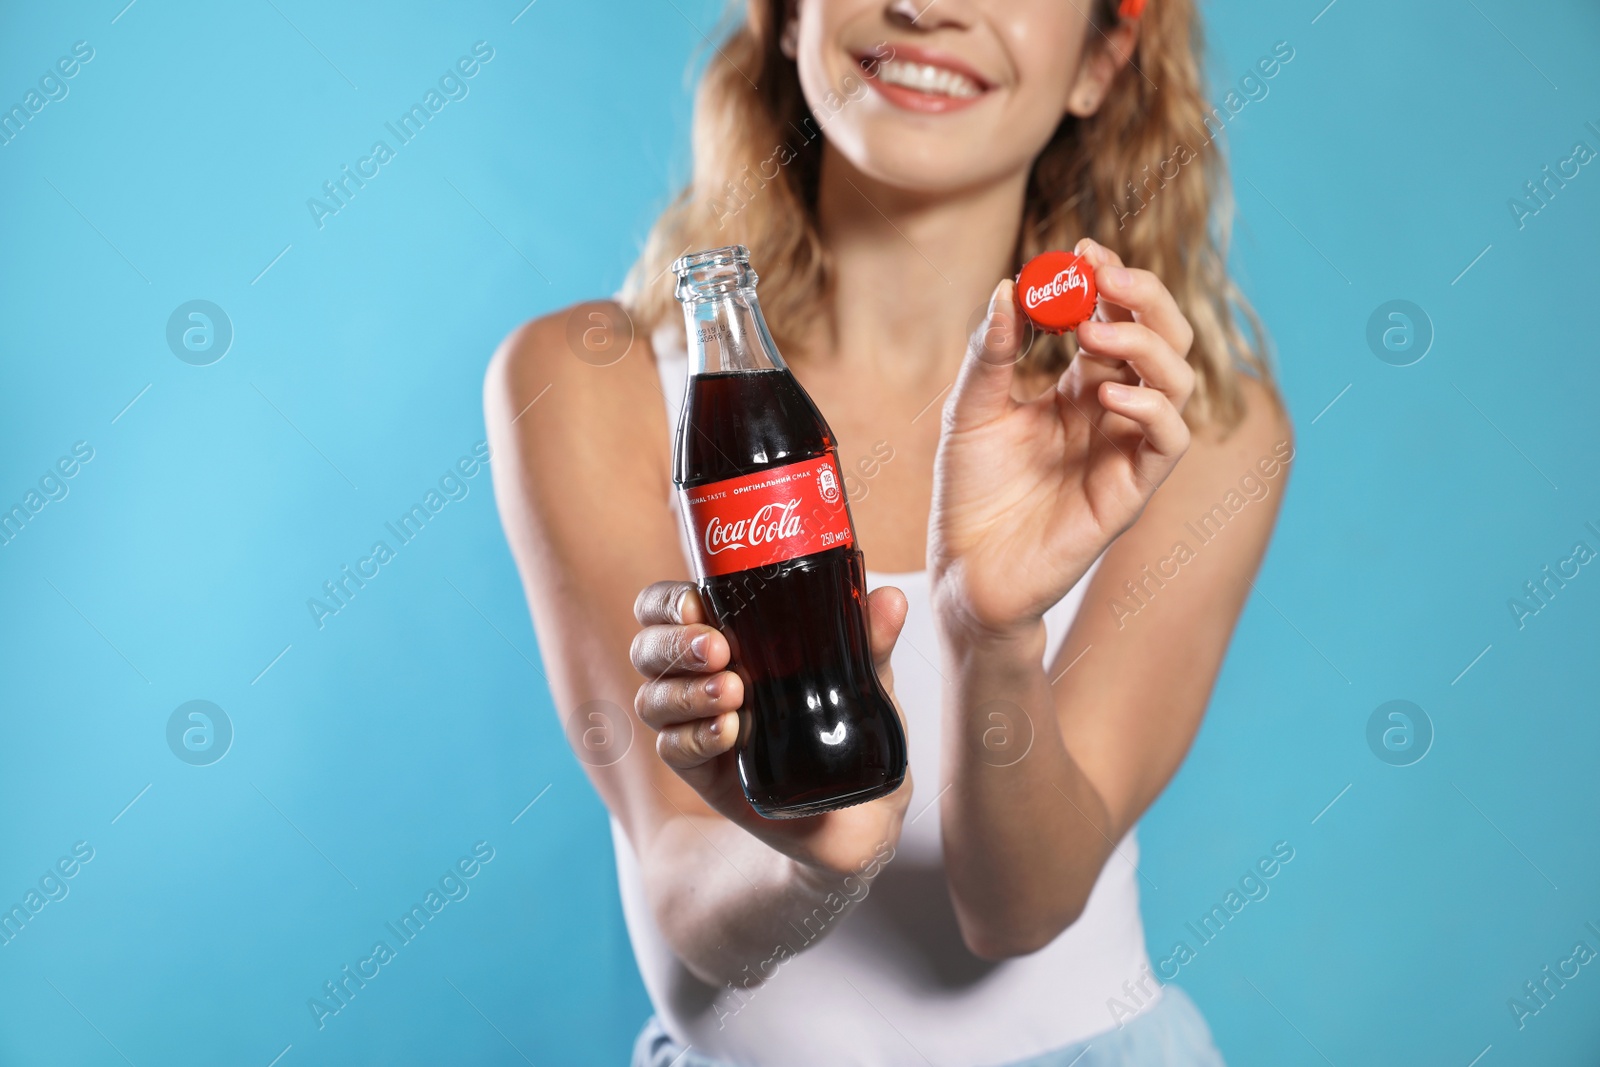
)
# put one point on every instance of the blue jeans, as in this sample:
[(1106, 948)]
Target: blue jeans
[(1171, 1034)]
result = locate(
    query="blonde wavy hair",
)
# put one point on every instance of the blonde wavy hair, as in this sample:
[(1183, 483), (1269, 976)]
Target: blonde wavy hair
[(1110, 177)]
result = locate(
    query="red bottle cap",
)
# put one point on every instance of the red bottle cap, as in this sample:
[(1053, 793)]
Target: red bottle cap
[(1056, 290)]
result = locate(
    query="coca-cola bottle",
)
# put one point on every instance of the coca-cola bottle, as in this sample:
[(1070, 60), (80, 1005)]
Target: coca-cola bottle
[(758, 481)]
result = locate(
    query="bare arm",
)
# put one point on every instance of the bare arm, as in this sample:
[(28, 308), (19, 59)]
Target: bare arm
[(582, 477), (1025, 840), (1111, 732)]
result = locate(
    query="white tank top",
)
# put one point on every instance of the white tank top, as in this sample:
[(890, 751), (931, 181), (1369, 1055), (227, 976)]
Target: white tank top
[(892, 983)]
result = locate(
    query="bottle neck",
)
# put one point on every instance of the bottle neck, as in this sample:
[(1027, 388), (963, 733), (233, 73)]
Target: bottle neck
[(726, 332)]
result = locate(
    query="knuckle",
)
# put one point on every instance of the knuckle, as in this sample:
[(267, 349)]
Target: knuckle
[(949, 417), (703, 739), (1143, 283), (1181, 437), (679, 646), (667, 747), (1185, 381), (1148, 337), (639, 650), (677, 598), (650, 704), (676, 746), (662, 608), (1107, 256), (658, 602), (683, 743)]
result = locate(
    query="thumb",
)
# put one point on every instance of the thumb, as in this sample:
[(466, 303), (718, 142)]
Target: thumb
[(886, 617), (983, 387)]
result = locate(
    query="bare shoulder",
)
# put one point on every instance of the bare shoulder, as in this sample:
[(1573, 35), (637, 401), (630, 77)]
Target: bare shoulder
[(1216, 512), (580, 437), (590, 351), (1264, 428), (575, 390), (1242, 468)]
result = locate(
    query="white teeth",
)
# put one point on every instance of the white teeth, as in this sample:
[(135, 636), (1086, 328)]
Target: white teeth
[(928, 79)]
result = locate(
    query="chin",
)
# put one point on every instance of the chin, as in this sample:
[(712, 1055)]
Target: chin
[(919, 161)]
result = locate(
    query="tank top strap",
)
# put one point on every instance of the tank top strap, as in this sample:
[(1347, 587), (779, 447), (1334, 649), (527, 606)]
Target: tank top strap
[(672, 367)]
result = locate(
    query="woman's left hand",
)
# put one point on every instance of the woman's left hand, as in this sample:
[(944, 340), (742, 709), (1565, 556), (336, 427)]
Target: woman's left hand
[(1027, 494)]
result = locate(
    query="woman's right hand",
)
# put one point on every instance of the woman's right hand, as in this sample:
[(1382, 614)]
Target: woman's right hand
[(691, 697)]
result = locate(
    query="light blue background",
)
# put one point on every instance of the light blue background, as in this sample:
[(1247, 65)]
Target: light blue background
[(378, 750)]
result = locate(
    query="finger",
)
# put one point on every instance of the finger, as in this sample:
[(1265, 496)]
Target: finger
[(1100, 258), (668, 602), (886, 617), (673, 700), (1166, 435), (688, 746), (1145, 351), (1143, 294), (887, 609), (693, 649), (1084, 374), (983, 387)]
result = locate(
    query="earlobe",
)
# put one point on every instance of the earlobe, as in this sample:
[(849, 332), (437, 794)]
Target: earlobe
[(1101, 68), (1086, 96), (789, 41)]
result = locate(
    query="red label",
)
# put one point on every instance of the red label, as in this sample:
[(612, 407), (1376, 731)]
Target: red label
[(767, 517)]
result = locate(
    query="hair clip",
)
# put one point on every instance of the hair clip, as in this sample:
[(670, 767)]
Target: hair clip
[(1130, 9)]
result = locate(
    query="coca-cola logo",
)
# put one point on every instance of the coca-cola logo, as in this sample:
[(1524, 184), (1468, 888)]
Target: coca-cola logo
[(1064, 282), (772, 522)]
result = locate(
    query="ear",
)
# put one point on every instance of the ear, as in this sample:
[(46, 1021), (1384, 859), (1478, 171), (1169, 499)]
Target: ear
[(789, 36), (1101, 64)]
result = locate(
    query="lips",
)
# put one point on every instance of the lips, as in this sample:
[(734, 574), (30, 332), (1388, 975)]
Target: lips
[(922, 79)]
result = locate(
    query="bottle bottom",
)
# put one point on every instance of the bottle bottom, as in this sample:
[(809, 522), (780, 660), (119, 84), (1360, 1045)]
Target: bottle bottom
[(803, 809)]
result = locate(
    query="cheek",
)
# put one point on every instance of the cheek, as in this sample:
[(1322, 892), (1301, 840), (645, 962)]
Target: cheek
[(822, 61), (1046, 48)]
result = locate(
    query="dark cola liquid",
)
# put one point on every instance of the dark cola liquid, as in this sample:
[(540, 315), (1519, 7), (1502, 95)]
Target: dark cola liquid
[(797, 629)]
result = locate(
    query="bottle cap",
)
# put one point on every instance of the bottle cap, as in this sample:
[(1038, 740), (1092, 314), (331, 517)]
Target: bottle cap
[(1056, 290)]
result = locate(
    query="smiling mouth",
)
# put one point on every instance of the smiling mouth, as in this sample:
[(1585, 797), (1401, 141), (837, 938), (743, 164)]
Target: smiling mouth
[(927, 78), (920, 82)]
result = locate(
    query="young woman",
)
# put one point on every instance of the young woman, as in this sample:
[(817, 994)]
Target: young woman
[(1041, 606)]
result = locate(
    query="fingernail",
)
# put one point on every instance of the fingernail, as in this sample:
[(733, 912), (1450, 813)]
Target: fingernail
[(1118, 392), (677, 606), (715, 729), (1117, 276), (699, 646), (714, 686), (994, 297), (1083, 246)]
